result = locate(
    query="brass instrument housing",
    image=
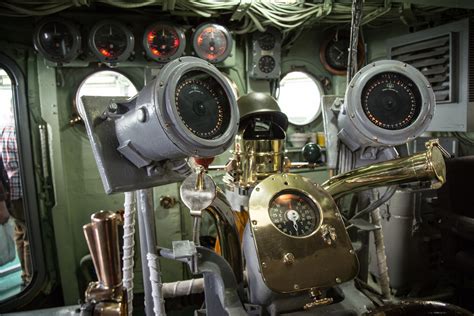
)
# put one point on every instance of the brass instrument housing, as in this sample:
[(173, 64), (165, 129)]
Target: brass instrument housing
[(315, 263), (255, 160)]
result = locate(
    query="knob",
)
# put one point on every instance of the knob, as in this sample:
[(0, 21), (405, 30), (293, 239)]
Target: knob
[(311, 153)]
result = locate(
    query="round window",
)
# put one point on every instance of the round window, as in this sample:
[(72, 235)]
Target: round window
[(300, 97), (106, 83)]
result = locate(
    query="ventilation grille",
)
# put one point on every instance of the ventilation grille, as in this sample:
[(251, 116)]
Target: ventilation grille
[(433, 58)]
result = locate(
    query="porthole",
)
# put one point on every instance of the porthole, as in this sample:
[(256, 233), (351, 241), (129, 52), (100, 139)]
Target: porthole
[(300, 97), (106, 83)]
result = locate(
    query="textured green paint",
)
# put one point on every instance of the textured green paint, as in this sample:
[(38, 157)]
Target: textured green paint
[(62, 221)]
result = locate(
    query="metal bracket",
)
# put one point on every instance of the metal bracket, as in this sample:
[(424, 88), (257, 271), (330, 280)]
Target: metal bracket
[(117, 173)]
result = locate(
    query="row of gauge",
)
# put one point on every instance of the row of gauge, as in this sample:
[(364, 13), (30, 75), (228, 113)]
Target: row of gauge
[(111, 41)]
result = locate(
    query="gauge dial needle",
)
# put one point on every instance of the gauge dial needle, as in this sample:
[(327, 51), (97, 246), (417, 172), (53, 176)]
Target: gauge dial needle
[(293, 216)]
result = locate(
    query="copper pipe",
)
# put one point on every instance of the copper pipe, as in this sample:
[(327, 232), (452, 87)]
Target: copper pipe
[(102, 239), (425, 166)]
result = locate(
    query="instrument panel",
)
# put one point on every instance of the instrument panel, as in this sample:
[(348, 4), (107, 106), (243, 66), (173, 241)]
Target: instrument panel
[(113, 41), (296, 226), (57, 40), (163, 42), (294, 213)]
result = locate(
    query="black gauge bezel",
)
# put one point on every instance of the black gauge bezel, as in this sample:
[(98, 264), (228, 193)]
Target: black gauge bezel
[(179, 51), (262, 63), (309, 200), (228, 38), (76, 44), (329, 41), (129, 37)]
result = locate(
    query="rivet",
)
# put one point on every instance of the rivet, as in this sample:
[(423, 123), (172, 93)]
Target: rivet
[(289, 258), (351, 251), (264, 264), (338, 280), (254, 222), (257, 189), (296, 286), (141, 115)]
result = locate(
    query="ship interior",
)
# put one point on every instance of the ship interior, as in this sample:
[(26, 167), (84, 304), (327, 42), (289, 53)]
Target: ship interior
[(236, 157)]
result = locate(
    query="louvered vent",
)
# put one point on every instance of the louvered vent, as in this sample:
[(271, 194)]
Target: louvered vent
[(433, 58)]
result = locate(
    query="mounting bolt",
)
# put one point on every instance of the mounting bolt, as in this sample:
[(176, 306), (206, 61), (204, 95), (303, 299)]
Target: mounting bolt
[(113, 107), (296, 286), (141, 115), (254, 222), (289, 258)]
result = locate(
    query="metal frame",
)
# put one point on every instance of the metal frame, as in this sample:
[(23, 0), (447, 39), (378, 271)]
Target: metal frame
[(30, 202)]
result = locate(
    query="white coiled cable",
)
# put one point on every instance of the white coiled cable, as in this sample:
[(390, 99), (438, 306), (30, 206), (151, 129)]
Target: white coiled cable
[(129, 247)]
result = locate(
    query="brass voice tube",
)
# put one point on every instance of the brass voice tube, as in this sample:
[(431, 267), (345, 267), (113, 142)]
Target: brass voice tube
[(102, 239), (425, 166)]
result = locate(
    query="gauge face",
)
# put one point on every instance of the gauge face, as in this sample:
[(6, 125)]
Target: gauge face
[(212, 42), (266, 41), (391, 100), (337, 53), (58, 41), (266, 64), (202, 105), (111, 41), (294, 213), (164, 42)]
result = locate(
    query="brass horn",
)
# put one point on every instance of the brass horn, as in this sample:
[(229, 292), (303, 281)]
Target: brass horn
[(107, 295), (425, 166)]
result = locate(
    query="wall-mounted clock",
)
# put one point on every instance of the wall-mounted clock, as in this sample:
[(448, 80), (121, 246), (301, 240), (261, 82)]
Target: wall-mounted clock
[(334, 52)]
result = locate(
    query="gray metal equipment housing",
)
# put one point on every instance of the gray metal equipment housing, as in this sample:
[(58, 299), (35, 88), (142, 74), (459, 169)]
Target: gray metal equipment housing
[(357, 131), (152, 129)]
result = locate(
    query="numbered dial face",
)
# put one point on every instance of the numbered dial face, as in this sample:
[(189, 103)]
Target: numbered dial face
[(266, 41), (111, 41), (337, 53), (391, 101), (294, 213), (266, 64), (164, 42), (212, 42), (58, 41), (202, 105)]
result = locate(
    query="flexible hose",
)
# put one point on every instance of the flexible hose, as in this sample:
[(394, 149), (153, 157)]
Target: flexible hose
[(129, 247)]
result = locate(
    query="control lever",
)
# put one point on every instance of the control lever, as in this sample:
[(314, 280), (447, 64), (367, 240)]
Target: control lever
[(197, 192)]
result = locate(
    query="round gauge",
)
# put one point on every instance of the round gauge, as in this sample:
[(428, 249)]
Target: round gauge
[(57, 40), (202, 105), (266, 41), (164, 42), (334, 52), (294, 213), (111, 41), (212, 42), (266, 64), (391, 100)]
